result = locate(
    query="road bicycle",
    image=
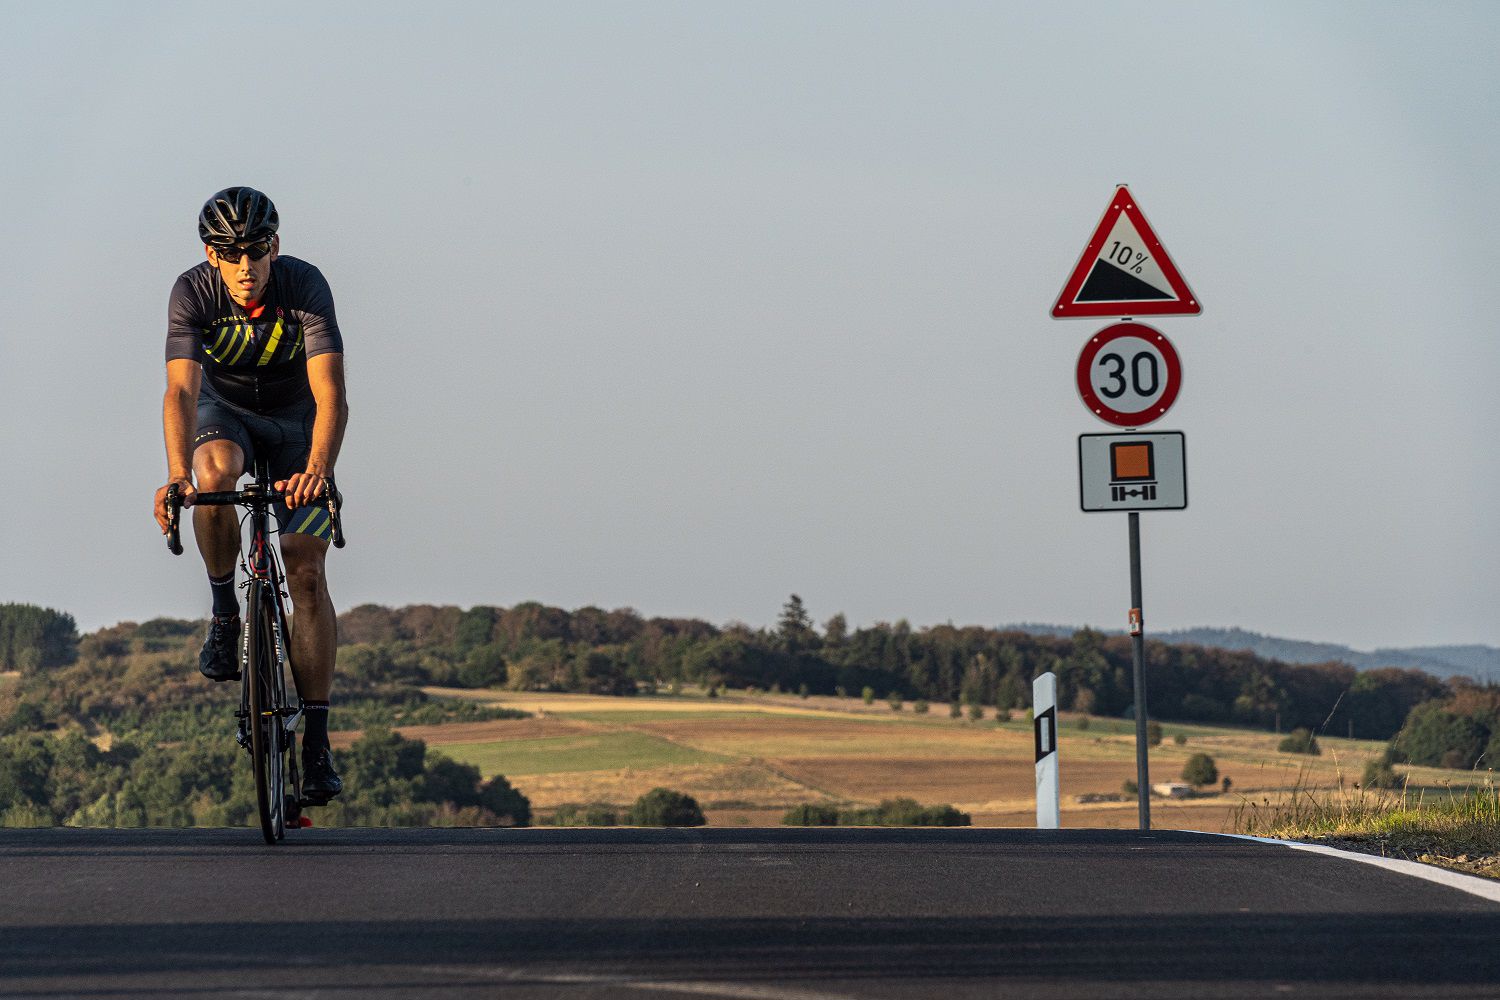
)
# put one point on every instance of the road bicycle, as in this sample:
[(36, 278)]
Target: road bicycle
[(266, 720)]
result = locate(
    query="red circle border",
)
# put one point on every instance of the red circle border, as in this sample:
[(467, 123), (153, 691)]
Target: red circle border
[(1099, 407)]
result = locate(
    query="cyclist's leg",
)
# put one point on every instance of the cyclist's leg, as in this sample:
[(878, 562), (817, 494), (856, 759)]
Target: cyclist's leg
[(287, 436), (313, 619), (222, 449), (217, 465)]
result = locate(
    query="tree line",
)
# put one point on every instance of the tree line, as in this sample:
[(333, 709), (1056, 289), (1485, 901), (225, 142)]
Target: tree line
[(532, 646)]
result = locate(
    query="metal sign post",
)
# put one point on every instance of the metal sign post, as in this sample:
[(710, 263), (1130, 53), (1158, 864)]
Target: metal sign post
[(1138, 661), (1044, 724)]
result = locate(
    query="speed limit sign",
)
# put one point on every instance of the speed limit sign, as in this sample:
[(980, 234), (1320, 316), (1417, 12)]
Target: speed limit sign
[(1128, 374)]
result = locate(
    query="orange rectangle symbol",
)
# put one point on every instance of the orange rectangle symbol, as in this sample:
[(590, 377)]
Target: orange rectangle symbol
[(1132, 460)]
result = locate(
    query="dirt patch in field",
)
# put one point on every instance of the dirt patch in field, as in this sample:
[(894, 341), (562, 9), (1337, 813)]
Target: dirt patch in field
[(487, 731), (971, 784), (539, 701), (788, 736)]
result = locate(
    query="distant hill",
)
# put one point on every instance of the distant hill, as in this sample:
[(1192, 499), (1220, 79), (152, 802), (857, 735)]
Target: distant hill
[(1481, 663)]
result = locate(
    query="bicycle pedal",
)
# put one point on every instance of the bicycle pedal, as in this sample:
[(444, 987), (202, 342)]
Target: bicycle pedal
[(314, 800)]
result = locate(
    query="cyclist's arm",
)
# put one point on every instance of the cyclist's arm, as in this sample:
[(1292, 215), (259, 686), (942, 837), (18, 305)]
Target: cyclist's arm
[(179, 417), (325, 373)]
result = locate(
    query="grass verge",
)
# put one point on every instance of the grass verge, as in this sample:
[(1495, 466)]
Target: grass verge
[(1456, 830)]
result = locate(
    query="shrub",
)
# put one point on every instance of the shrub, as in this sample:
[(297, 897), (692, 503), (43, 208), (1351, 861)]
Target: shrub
[(841, 691), (920, 706), (1002, 715), (1200, 770), (894, 700), (1153, 734), (1130, 788), (1179, 738), (904, 812), (976, 712), (1380, 774), (1300, 740), (664, 807), (593, 814), (1082, 724), (1433, 735), (811, 814), (803, 692), (955, 710), (868, 694), (505, 801)]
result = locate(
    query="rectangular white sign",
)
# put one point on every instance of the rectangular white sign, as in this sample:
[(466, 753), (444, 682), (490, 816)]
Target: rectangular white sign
[(1132, 471)]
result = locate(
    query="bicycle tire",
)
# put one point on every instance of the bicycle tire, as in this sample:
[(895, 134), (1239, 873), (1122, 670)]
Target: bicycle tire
[(266, 744)]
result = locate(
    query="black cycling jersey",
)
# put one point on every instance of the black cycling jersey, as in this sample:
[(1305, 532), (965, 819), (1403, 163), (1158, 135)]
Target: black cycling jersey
[(259, 364)]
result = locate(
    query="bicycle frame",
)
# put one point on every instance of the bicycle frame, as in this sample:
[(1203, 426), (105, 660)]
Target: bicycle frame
[(266, 723), (264, 711)]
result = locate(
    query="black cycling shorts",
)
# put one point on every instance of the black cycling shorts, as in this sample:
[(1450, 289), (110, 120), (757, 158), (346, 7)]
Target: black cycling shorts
[(283, 437)]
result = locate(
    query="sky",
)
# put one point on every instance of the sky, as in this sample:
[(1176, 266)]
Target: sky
[(687, 307)]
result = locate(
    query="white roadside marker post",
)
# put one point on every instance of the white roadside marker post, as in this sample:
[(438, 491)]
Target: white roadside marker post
[(1044, 724)]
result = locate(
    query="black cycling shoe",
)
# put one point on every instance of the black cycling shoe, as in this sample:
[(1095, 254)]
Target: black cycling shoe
[(220, 657), (320, 782)]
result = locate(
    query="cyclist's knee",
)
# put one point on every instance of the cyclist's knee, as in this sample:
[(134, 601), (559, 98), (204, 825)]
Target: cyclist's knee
[(305, 570), (218, 465)]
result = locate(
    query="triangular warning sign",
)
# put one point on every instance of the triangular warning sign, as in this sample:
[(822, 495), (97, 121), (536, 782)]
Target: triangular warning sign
[(1125, 271)]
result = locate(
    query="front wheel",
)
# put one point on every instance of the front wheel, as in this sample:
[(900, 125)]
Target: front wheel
[(262, 671)]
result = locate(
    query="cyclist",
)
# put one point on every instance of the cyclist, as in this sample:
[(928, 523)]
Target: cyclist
[(255, 366)]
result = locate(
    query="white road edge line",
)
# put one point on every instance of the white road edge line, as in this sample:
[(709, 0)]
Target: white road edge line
[(1472, 884)]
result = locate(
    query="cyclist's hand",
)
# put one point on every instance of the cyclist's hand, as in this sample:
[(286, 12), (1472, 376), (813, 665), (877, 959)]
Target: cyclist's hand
[(184, 490), (302, 488)]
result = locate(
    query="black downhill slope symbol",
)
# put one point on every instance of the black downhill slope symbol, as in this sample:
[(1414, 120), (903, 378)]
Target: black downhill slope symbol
[(1108, 283)]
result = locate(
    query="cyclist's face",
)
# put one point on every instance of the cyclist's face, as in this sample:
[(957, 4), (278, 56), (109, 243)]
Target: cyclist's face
[(247, 278)]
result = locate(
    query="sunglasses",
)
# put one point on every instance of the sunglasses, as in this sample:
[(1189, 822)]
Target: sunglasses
[(232, 255)]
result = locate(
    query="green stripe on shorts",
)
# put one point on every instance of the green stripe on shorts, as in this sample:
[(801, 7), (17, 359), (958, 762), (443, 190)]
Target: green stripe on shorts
[(311, 521)]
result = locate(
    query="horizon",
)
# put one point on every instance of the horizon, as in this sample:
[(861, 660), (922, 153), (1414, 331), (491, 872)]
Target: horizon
[(820, 622)]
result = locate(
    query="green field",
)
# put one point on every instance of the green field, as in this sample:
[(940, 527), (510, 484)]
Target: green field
[(605, 751)]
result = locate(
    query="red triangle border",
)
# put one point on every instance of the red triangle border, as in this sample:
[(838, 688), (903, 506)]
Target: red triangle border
[(1067, 306)]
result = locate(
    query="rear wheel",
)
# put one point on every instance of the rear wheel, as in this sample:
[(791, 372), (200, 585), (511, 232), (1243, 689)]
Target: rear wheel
[(267, 742)]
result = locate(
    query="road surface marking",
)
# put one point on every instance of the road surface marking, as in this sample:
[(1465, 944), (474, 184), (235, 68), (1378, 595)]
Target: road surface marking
[(1472, 884)]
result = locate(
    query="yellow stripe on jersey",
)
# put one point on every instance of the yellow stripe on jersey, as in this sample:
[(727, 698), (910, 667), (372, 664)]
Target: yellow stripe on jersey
[(270, 350), (223, 332), (240, 331)]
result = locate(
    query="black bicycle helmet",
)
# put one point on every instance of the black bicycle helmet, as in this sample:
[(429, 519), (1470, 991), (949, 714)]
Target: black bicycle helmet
[(237, 215)]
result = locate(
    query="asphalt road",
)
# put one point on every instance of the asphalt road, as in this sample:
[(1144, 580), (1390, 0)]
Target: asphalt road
[(760, 914)]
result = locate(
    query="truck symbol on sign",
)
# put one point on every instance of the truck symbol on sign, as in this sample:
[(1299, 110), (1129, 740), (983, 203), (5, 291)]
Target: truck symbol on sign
[(1132, 470)]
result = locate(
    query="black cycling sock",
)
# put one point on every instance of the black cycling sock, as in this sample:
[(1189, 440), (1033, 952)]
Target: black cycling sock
[(316, 714), (226, 604)]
